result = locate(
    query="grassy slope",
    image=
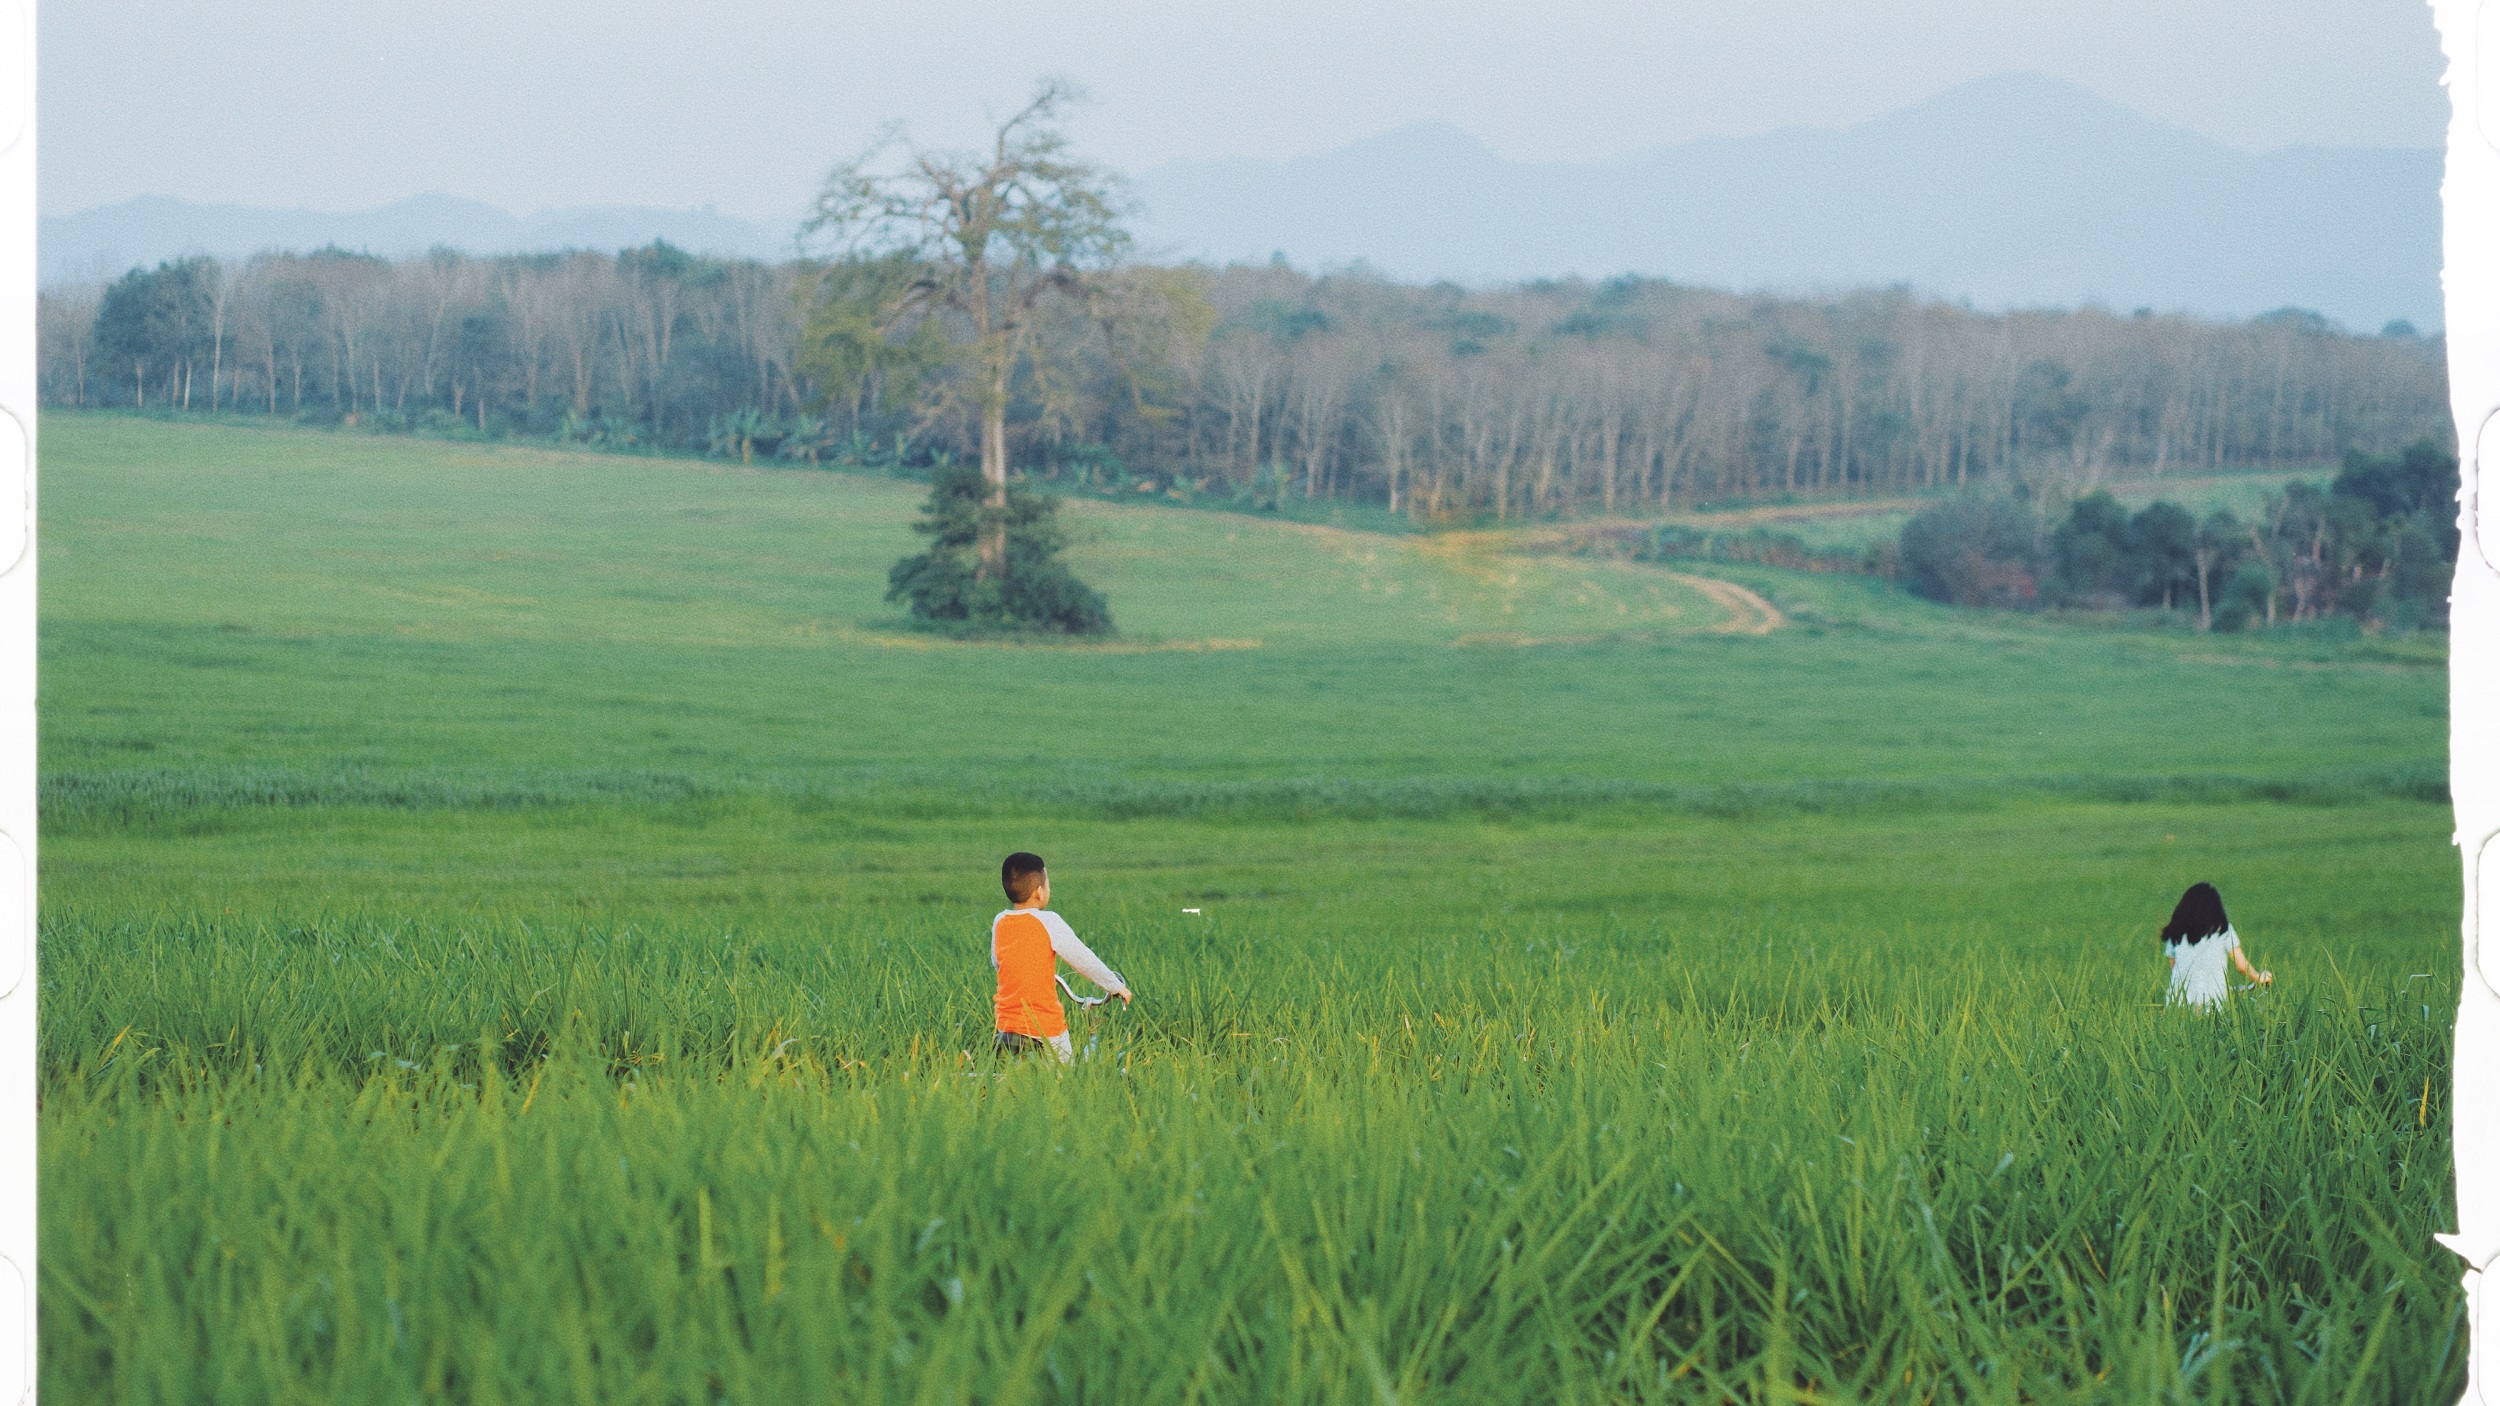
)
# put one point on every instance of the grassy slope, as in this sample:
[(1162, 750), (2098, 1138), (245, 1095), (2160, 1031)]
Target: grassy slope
[(1437, 1092), (224, 598)]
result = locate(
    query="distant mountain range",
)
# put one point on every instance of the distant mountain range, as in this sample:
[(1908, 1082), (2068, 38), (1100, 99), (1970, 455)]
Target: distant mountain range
[(103, 242), (2014, 190), (2009, 191)]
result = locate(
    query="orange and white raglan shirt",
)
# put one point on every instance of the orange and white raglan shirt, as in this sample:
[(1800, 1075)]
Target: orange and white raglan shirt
[(1026, 946)]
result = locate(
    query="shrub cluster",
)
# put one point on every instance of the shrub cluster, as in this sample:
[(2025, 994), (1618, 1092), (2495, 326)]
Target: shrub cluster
[(1036, 592), (1760, 546), (2377, 545)]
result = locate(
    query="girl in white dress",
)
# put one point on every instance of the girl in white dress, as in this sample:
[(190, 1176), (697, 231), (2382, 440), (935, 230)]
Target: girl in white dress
[(2202, 948)]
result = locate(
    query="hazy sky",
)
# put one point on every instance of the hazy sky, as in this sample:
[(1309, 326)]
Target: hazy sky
[(531, 105)]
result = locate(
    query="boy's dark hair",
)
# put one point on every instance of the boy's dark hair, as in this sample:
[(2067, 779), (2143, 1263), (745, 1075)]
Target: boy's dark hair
[(1020, 875), (2198, 916)]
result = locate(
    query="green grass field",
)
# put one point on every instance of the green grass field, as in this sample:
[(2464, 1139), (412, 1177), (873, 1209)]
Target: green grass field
[(514, 930)]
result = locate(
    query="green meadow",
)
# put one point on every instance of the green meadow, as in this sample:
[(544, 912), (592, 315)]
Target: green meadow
[(514, 929)]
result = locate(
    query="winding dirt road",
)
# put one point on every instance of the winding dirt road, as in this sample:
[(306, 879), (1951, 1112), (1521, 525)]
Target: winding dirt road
[(1747, 612)]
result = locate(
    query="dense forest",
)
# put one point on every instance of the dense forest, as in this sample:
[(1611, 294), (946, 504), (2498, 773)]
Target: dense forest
[(1619, 397)]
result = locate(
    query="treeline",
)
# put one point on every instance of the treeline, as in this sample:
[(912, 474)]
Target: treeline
[(2378, 545), (647, 347), (1625, 397)]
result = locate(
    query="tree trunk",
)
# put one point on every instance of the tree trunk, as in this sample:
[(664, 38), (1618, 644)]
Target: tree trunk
[(994, 469)]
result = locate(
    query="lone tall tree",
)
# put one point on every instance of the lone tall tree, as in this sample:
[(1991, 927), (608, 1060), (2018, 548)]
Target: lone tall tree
[(989, 236)]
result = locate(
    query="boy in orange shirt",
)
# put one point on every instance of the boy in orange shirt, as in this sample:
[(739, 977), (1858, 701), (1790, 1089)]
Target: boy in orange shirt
[(1026, 943)]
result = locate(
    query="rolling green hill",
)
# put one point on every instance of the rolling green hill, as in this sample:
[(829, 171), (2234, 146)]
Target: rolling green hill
[(221, 602)]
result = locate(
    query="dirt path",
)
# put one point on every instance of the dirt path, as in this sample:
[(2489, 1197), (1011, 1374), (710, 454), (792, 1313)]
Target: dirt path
[(1747, 613)]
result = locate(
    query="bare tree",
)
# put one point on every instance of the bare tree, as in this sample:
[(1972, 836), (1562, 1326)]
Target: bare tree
[(65, 339), (585, 286), (1244, 366), (994, 234), (1324, 378)]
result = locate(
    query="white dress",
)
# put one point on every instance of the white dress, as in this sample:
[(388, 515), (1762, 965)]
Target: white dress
[(2200, 971)]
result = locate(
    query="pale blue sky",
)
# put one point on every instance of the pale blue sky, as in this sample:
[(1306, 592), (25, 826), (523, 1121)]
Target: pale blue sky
[(743, 103)]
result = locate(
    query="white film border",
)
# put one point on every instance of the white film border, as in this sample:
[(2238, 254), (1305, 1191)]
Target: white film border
[(2469, 33), (2484, 448)]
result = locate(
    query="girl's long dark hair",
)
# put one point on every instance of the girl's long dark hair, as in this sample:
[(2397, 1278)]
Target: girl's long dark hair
[(2198, 916)]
